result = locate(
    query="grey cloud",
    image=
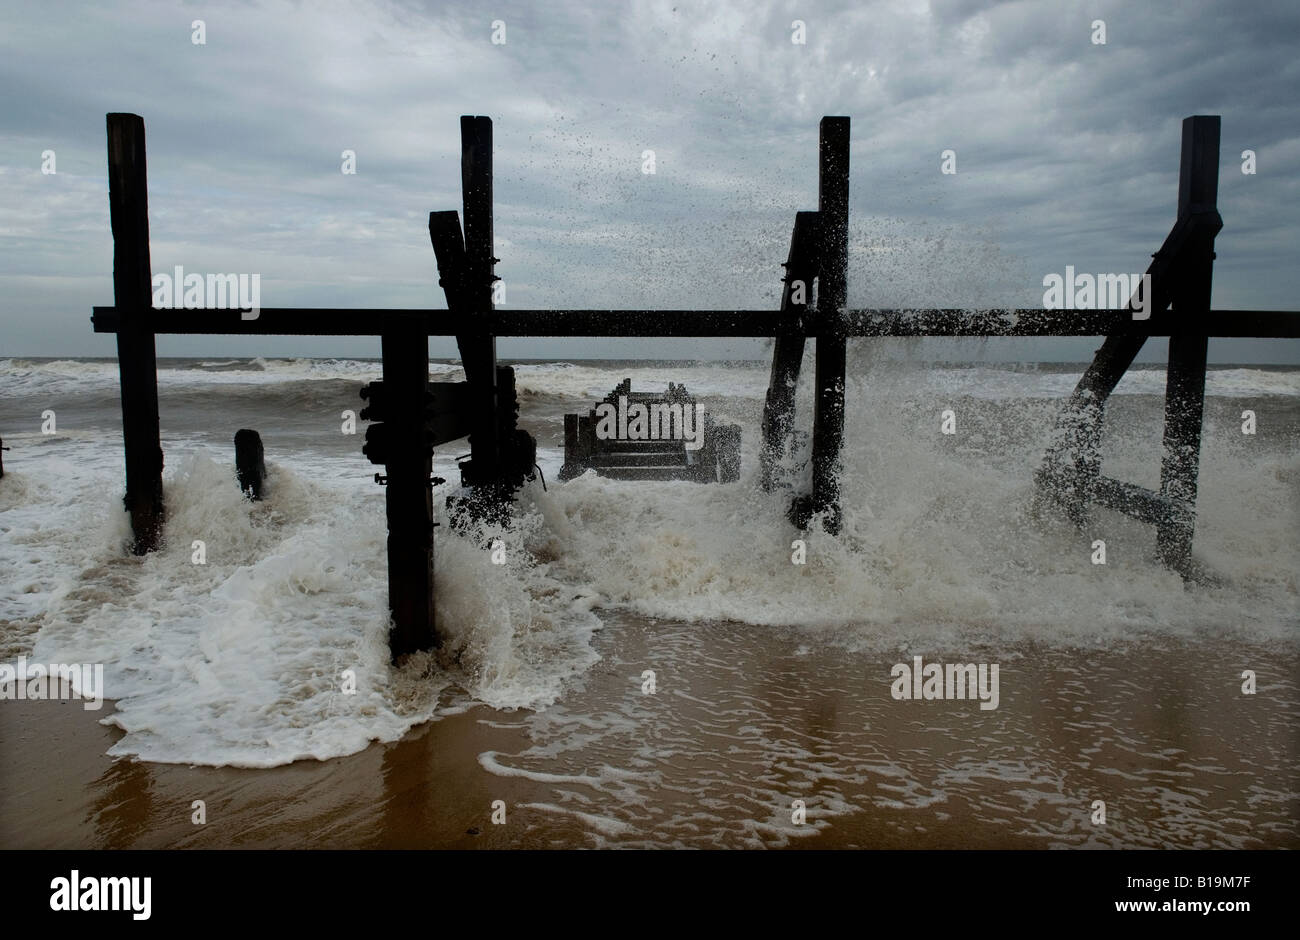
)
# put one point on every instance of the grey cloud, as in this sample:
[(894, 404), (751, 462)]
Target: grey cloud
[(1067, 152)]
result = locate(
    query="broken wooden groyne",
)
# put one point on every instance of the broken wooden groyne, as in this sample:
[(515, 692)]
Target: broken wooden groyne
[(413, 415), (651, 436)]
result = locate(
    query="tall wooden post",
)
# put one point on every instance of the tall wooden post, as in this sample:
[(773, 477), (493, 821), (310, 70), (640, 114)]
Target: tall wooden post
[(828, 416), (128, 200), (479, 353), (1179, 273), (409, 500), (1198, 190)]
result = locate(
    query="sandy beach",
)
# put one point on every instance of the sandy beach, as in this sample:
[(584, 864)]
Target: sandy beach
[(741, 724)]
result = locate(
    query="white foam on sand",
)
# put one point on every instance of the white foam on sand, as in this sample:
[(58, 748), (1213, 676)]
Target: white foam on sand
[(241, 661)]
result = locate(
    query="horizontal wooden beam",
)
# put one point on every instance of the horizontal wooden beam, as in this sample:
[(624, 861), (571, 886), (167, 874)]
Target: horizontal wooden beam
[(1136, 501), (346, 321)]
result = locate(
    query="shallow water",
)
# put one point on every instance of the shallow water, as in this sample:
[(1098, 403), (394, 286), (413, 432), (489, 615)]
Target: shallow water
[(744, 722)]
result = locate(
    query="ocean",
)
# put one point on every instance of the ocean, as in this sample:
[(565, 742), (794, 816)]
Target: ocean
[(1118, 682)]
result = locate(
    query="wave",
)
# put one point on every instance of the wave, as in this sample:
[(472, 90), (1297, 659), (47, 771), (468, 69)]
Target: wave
[(589, 382), (240, 660)]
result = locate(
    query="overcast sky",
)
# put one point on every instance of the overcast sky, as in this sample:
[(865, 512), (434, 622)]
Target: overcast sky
[(1066, 153)]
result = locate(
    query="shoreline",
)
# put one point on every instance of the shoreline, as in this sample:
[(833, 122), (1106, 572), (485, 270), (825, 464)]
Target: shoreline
[(696, 766)]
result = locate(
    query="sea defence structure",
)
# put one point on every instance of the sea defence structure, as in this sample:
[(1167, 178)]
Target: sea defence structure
[(416, 415)]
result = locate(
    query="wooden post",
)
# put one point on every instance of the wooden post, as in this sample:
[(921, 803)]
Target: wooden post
[(1072, 465), (409, 500), (479, 353), (1198, 188), (250, 463), (828, 417), (1070, 472), (128, 200), (787, 351), (2, 458)]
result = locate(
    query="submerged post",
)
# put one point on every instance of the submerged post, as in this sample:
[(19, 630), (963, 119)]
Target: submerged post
[(250, 463), (828, 415), (128, 200), (1198, 190)]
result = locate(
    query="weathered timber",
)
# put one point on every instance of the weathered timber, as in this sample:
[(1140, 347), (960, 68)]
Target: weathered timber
[(408, 499), (1073, 461), (449, 252), (2, 459), (128, 200), (832, 291), (1133, 500), (787, 351), (373, 321), (250, 463), (1198, 188), (447, 418), (662, 454), (1180, 282), (478, 351)]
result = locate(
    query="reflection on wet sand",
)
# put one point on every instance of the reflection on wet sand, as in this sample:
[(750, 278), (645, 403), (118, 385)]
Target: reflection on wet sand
[(744, 721)]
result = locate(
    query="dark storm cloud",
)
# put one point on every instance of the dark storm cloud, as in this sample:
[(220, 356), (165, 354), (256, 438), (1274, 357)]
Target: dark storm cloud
[(1067, 151)]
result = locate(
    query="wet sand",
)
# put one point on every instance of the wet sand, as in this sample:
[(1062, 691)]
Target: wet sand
[(743, 721)]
